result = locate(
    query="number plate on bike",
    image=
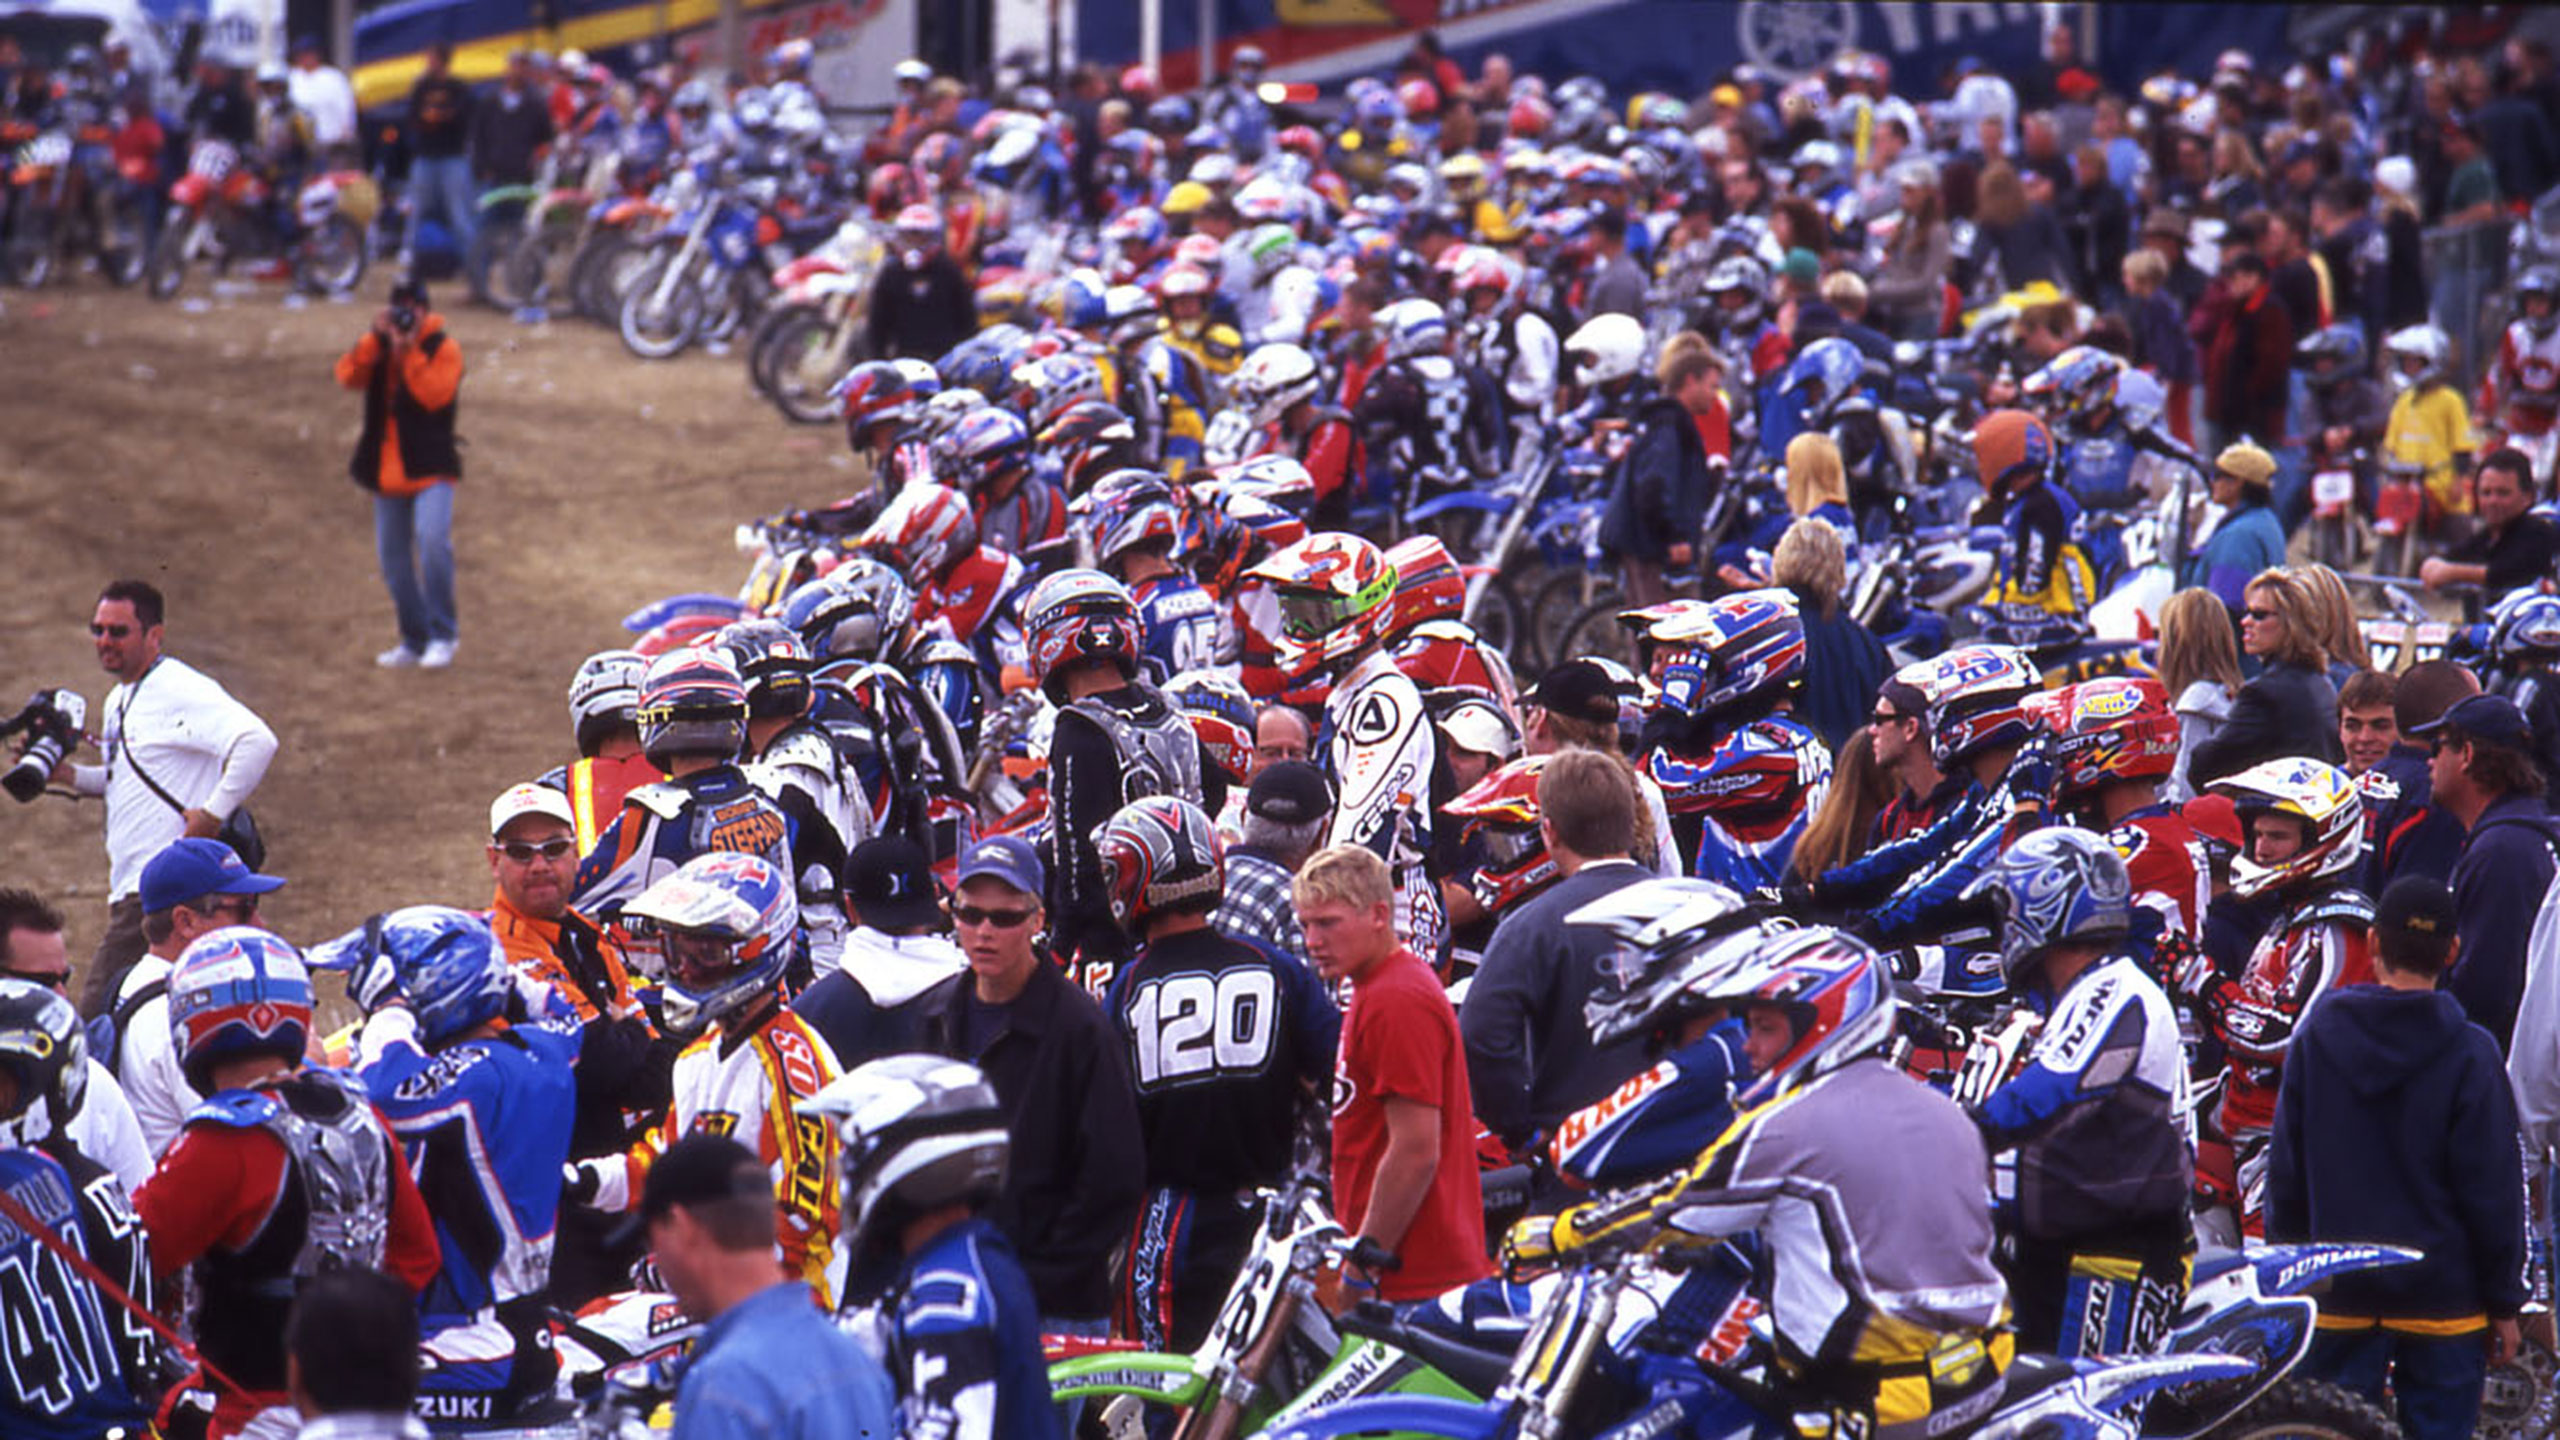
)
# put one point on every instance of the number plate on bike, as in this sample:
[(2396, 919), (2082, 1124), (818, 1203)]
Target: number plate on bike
[(2333, 490)]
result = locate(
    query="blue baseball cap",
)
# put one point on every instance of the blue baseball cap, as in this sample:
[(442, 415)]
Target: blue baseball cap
[(2491, 718), (1008, 858), (195, 867)]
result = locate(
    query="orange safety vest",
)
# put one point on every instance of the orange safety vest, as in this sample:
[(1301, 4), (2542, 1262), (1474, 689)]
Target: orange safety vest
[(596, 788)]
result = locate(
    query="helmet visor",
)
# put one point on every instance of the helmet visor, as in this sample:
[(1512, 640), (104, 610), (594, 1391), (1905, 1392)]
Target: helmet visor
[(1310, 615)]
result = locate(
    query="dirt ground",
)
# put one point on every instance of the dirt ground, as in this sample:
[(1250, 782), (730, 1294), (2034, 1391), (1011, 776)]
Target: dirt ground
[(206, 452)]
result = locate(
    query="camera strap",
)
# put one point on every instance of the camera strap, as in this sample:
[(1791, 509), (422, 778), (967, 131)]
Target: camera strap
[(124, 743)]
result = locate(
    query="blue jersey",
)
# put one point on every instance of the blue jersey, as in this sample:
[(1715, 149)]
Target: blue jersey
[(485, 1124), (61, 1373), (1659, 1121), (1178, 624), (1754, 794), (965, 1348)]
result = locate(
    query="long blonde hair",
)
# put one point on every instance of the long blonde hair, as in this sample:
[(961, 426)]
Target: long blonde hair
[(2299, 609), (2336, 610), (2197, 643), (1838, 830), (1815, 474)]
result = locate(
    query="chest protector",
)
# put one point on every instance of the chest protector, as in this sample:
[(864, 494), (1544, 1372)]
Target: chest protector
[(1157, 757)]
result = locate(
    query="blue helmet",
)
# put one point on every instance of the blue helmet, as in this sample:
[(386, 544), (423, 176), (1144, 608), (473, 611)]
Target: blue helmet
[(1825, 374), (2054, 885), (2525, 624), (1745, 646), (993, 445), (446, 964), (722, 928), (236, 992), (984, 362)]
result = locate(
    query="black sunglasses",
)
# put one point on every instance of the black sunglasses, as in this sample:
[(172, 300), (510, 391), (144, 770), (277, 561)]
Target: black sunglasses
[(523, 853), (117, 631), (1001, 919)]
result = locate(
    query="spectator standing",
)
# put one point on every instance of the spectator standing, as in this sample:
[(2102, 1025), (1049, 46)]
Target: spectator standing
[(1658, 499), (1404, 1163), (322, 91), (2367, 728), (510, 126), (2394, 1124), (1530, 1057), (189, 890), (1910, 289), (2250, 538), (2290, 708), (1072, 1187), (1287, 812), (2019, 236), (351, 1357), (182, 757), (921, 305), (873, 1005), (2483, 774), (440, 158), (410, 370), (1844, 662), (769, 1362), (2248, 359), (1617, 282)]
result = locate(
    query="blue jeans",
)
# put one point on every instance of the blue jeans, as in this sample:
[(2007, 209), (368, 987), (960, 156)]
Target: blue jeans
[(2436, 1379), (413, 536), (443, 185)]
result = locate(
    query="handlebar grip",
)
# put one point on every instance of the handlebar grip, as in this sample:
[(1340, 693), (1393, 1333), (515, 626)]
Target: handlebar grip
[(1368, 1254)]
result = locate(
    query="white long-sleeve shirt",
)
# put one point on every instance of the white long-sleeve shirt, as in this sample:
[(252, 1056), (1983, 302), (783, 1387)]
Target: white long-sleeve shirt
[(103, 1128), (205, 748), (146, 1061), (323, 93)]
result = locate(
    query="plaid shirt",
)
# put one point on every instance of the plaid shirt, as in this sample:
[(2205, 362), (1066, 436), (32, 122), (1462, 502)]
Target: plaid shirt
[(1257, 905)]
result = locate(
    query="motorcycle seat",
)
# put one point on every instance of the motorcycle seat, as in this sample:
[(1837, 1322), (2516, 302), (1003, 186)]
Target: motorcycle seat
[(2032, 1374), (1478, 1371)]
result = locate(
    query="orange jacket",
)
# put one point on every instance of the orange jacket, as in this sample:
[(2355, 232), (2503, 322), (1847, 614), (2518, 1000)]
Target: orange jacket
[(432, 375)]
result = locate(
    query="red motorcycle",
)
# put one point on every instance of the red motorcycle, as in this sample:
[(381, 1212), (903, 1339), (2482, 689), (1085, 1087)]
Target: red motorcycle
[(219, 214)]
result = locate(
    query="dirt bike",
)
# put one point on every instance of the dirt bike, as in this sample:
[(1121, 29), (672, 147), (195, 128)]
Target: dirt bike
[(818, 328), (59, 211), (2336, 530), (214, 218)]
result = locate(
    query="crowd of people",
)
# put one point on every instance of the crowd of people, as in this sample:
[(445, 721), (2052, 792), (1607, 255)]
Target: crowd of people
[(1110, 812)]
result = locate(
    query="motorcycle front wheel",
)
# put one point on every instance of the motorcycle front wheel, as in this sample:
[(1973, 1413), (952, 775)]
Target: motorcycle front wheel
[(801, 373), (167, 271), (31, 243), (330, 260), (658, 326)]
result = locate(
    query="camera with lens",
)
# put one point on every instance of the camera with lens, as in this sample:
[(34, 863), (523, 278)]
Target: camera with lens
[(51, 721), (404, 318)]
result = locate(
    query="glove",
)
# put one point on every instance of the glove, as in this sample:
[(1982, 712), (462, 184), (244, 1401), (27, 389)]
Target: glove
[(2197, 978), (1797, 895), (579, 1182), (2031, 773), (1531, 1245), (373, 981)]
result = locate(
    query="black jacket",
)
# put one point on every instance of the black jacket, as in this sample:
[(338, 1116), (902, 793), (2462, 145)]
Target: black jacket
[(921, 312), (2506, 864), (1075, 1180), (1844, 664), (1659, 496), (2395, 1124), (2287, 710), (1530, 1057)]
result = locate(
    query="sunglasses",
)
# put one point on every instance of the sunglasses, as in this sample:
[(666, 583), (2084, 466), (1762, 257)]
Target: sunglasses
[(2254, 613), (117, 632), (1887, 717), (58, 980), (1001, 919), (524, 854), (238, 907)]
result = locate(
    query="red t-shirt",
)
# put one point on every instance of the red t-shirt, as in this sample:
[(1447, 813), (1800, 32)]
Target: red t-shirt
[(1401, 1039)]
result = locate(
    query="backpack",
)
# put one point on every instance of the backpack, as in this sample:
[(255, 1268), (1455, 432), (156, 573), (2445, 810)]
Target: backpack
[(106, 1032)]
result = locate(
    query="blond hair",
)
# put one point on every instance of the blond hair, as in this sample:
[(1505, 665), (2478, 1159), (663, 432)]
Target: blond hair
[(2145, 271), (1350, 875), (1684, 357), (1812, 561), (1845, 292), (2197, 643), (1815, 475), (2337, 615), (2298, 611)]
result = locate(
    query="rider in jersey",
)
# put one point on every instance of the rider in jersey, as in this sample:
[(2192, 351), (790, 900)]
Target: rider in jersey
[(882, 401), (1164, 391), (1864, 1185), (1018, 513), (604, 705), (2116, 741), (1378, 741), (720, 930), (76, 1365), (1220, 1122), (1741, 775), (925, 1148), (899, 702), (1133, 521), (2304, 824), (2042, 566), (2098, 1113), (693, 721), (283, 1171), (1281, 392), (797, 765), (968, 587), (2521, 391), (473, 1070), (1116, 739)]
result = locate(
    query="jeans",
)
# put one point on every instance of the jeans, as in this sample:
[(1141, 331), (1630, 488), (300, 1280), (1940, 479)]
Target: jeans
[(2436, 1379), (413, 536), (443, 184)]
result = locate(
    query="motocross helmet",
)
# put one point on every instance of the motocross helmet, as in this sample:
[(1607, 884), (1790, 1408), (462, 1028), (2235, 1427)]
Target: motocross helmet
[(1604, 349), (1977, 696), (2416, 357), (235, 992), (984, 362), (1132, 317), (719, 930), (1660, 631), (1748, 651), (1414, 327), (1091, 438), (2011, 445), (859, 612), (2331, 356), (1076, 615), (2319, 794), (2117, 728), (1678, 940), (1828, 372), (878, 392), (918, 1133), (692, 702), (2525, 625), (604, 696), (2057, 884), (44, 1050), (1738, 291), (1501, 811), (927, 531), (1429, 584), (445, 964), (1272, 379), (993, 447), (1334, 591), (774, 662), (2084, 386), (1221, 714), (1129, 510), (1837, 995), (2541, 283), (1160, 856), (1047, 388)]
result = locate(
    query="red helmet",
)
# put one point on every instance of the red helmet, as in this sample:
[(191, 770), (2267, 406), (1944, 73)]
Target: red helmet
[(1429, 584), (2118, 728), (1335, 591), (1138, 83), (1502, 809), (2011, 444), (1419, 97), (891, 189), (1302, 140), (1221, 714), (927, 530), (1449, 654), (1075, 615), (1159, 854), (1530, 117), (878, 392)]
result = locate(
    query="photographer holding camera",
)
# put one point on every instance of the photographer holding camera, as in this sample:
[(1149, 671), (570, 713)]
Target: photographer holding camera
[(181, 758), (410, 370)]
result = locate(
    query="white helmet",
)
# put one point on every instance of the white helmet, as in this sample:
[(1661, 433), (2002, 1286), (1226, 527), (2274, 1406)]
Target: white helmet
[(1273, 378), (1414, 327), (2424, 344), (1607, 347), (919, 1132), (605, 695)]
